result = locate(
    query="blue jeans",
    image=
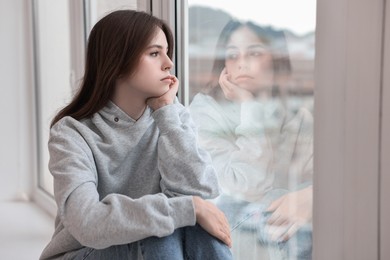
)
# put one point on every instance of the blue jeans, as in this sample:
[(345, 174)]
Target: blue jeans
[(191, 243)]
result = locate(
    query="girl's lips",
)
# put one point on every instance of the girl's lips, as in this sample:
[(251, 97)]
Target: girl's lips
[(243, 77), (167, 78)]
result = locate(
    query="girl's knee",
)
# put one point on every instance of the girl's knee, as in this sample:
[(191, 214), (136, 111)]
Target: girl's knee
[(200, 244)]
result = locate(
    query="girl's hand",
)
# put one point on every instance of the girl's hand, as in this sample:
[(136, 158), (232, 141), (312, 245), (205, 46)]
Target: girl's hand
[(167, 98), (289, 213), (231, 91), (212, 219)]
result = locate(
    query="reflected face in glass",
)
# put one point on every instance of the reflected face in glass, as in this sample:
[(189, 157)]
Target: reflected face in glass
[(248, 60)]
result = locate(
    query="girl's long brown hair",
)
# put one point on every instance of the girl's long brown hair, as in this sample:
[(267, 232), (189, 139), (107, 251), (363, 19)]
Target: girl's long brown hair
[(115, 46)]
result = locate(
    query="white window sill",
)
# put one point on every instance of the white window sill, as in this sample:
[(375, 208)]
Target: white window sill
[(25, 230)]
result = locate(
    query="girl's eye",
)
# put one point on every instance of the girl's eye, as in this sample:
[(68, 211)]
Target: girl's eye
[(255, 53), (154, 54), (231, 56)]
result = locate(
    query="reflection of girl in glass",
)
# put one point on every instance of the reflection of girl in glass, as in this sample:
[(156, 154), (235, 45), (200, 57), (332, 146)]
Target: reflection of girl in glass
[(262, 150)]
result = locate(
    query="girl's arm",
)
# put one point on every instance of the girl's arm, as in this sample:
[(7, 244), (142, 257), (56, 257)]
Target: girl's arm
[(241, 152), (185, 168), (294, 210), (100, 222)]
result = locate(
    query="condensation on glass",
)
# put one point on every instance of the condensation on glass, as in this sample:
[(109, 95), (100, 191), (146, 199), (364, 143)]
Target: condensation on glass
[(251, 83)]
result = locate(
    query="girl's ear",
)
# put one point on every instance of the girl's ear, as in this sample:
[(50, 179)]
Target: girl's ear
[(123, 76)]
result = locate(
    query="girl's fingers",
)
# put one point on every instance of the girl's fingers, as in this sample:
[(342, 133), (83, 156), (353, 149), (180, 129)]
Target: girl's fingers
[(223, 72), (225, 231), (276, 233), (290, 232), (224, 236), (229, 85), (280, 221), (175, 83), (275, 204), (223, 82), (274, 218), (174, 80), (212, 220), (167, 98)]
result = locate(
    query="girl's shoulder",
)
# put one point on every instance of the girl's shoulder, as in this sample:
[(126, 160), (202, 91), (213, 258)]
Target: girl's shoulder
[(201, 99), (301, 120), (203, 103), (69, 126), (67, 121)]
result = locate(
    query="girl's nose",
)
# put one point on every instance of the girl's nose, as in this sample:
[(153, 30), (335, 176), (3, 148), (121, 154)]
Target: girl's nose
[(168, 65), (242, 63)]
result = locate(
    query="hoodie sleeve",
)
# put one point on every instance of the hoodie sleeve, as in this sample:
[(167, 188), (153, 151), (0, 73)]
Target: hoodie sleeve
[(185, 168), (240, 149), (114, 219)]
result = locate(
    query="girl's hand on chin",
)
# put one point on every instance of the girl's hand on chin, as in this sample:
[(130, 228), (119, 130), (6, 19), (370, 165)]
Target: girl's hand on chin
[(231, 91), (167, 98)]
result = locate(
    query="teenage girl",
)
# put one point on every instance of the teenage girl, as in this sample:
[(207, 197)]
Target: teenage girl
[(130, 181)]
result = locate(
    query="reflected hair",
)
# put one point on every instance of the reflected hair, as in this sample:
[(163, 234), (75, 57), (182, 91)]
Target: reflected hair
[(115, 46), (275, 40)]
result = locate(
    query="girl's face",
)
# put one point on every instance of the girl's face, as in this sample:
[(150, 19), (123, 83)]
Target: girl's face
[(151, 77), (247, 61)]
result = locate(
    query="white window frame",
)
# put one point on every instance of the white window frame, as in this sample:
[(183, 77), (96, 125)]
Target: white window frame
[(385, 144), (347, 129), (41, 197)]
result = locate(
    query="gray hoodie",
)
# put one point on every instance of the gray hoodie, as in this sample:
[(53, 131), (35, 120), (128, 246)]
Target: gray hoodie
[(117, 180)]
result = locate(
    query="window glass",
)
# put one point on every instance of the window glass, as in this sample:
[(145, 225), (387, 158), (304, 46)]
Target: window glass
[(52, 50), (99, 8), (251, 83)]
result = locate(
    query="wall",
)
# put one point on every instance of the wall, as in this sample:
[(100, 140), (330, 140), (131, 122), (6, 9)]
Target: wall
[(16, 102)]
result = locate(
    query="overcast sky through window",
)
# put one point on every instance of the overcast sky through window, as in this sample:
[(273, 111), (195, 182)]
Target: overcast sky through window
[(298, 16)]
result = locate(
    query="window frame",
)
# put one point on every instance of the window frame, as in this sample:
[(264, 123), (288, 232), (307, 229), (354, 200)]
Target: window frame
[(346, 216), (39, 195), (384, 222)]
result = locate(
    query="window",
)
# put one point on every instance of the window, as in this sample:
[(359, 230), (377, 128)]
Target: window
[(250, 89), (59, 44), (98, 8), (346, 101), (53, 73)]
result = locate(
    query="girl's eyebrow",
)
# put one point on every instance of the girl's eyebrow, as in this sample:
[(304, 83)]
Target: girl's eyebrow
[(231, 47), (156, 46), (253, 46), (256, 46)]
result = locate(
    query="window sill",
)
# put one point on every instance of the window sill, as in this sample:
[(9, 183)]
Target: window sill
[(25, 230)]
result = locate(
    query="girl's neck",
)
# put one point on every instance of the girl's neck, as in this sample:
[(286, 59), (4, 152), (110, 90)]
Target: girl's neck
[(130, 103)]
